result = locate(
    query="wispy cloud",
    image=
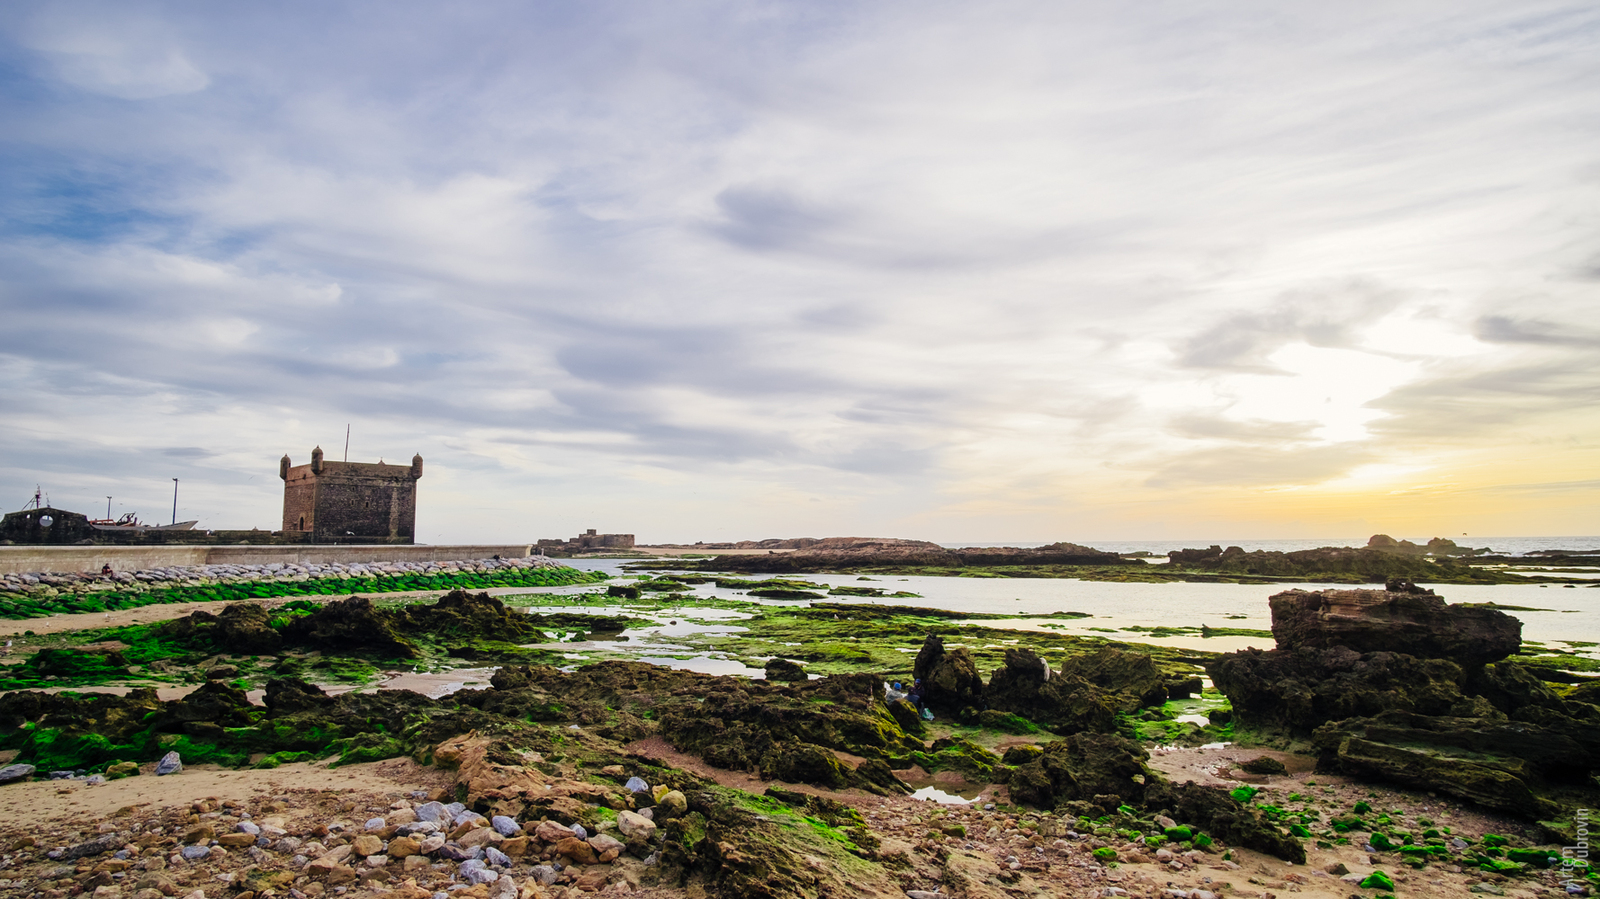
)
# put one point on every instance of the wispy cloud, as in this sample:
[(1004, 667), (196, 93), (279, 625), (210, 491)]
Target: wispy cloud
[(691, 266)]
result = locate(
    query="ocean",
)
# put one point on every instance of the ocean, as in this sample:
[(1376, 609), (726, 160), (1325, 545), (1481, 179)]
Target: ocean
[(1501, 545)]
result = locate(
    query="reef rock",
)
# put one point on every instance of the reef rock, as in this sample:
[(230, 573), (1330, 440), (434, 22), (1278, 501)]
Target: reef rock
[(1398, 686), (1104, 770), (1419, 624), (241, 627), (1294, 693), (950, 679), (784, 670), (352, 624)]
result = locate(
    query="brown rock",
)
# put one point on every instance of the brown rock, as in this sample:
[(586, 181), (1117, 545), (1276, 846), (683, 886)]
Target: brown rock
[(551, 832), (1417, 624), (515, 847), (409, 890), (479, 837), (237, 840), (366, 844), (201, 834), (113, 865), (577, 850), (404, 847)]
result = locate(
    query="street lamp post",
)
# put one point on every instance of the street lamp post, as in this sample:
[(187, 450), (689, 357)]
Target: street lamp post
[(108, 508), (174, 500)]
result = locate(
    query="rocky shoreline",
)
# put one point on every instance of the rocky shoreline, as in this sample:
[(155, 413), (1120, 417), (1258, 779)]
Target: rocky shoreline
[(799, 785), (1439, 562)]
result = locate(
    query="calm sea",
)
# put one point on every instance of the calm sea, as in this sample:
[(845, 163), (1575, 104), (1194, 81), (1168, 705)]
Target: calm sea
[(1504, 545)]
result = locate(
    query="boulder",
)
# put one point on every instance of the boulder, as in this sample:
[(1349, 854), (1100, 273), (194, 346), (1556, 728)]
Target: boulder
[(950, 679), (1419, 624)]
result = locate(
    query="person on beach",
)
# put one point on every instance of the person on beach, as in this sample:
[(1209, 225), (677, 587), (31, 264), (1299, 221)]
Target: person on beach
[(915, 696)]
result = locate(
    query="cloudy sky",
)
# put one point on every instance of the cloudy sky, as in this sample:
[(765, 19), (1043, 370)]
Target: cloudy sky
[(706, 271)]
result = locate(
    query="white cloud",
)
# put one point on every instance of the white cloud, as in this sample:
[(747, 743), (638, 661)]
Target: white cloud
[(915, 261), (107, 49)]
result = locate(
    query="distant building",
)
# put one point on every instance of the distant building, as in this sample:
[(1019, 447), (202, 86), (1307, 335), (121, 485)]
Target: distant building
[(46, 525), (350, 502), (588, 541)]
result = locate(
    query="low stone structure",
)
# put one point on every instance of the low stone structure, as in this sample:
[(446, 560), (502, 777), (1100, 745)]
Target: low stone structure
[(588, 541)]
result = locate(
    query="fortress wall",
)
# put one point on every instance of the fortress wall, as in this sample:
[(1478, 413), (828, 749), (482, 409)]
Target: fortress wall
[(75, 559)]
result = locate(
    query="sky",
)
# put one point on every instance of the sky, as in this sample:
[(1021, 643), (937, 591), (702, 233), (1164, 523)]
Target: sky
[(1011, 271)]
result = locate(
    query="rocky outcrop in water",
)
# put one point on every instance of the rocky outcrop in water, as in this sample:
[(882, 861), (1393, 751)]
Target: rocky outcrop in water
[(1365, 563), (1398, 686), (836, 553)]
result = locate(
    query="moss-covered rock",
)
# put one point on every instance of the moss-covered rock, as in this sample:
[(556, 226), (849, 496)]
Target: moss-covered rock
[(950, 679)]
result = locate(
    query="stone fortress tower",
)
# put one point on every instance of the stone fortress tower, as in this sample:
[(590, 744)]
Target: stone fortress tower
[(350, 502)]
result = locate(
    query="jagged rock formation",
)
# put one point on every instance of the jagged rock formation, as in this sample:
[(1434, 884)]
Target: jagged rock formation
[(1085, 695), (949, 679), (1417, 623), (1399, 686)]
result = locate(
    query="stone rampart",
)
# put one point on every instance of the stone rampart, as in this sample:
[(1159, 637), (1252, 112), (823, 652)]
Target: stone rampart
[(77, 559)]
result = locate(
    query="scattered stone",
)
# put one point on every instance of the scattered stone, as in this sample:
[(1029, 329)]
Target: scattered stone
[(672, 804), (171, 763), (634, 826), (474, 871), (506, 827), (636, 785)]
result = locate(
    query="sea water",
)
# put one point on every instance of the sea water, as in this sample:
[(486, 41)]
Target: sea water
[(1564, 615)]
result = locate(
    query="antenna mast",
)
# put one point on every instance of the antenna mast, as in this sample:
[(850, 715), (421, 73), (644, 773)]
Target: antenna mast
[(347, 442)]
